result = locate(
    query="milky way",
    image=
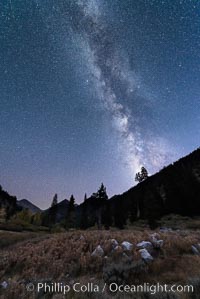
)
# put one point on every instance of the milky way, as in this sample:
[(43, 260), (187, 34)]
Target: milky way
[(116, 83)]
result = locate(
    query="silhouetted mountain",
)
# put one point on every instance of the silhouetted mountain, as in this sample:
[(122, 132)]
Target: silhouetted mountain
[(57, 213), (26, 204), (175, 189)]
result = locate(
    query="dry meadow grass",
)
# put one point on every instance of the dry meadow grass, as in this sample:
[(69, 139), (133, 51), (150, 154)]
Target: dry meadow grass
[(67, 257)]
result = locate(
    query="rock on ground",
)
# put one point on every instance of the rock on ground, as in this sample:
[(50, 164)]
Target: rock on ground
[(145, 255), (144, 244), (98, 251), (4, 285), (127, 246), (195, 250)]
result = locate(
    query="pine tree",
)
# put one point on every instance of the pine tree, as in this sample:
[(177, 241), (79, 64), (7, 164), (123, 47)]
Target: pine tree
[(101, 193), (71, 203), (53, 211), (142, 175), (85, 197), (55, 200), (101, 197), (70, 221)]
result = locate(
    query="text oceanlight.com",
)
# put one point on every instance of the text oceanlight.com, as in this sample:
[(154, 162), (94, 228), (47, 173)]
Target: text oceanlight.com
[(63, 288)]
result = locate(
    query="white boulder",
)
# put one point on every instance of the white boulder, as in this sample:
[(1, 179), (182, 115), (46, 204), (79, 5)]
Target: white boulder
[(195, 250), (145, 255), (98, 251), (127, 246), (4, 284)]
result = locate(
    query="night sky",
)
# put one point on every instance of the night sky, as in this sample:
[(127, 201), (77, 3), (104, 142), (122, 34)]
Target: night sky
[(92, 90)]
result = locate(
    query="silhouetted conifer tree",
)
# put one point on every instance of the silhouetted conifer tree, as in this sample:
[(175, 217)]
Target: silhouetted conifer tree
[(53, 211), (55, 200), (101, 198), (70, 221), (101, 193), (85, 197), (142, 175)]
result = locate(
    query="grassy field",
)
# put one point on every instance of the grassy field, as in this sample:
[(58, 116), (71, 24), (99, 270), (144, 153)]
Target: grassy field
[(66, 257)]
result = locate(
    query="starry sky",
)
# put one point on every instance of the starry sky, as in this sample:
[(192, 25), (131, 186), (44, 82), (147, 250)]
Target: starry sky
[(92, 90)]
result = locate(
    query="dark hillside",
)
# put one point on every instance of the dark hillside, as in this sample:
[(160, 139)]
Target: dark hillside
[(175, 189), (8, 205)]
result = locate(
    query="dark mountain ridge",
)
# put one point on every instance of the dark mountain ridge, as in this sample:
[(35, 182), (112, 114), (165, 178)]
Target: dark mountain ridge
[(26, 204), (56, 213), (175, 189)]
